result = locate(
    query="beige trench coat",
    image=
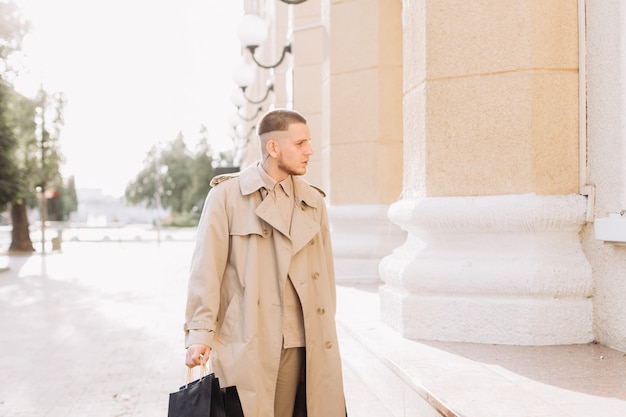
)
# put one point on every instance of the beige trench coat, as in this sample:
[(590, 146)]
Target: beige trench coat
[(236, 284)]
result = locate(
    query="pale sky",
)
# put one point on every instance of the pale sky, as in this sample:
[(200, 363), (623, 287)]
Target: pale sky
[(135, 73)]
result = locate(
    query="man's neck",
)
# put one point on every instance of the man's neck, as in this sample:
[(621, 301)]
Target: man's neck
[(275, 173)]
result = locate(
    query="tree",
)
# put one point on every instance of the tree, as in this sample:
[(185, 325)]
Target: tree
[(37, 157), (12, 31), (22, 125), (9, 174), (165, 179), (202, 169), (174, 177)]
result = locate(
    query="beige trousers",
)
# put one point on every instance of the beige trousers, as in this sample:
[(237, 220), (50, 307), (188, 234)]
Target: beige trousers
[(289, 375)]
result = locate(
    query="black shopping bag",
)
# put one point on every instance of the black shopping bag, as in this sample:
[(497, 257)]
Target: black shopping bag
[(202, 397), (232, 404)]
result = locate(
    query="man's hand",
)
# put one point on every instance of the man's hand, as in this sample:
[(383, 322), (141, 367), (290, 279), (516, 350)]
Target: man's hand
[(197, 355)]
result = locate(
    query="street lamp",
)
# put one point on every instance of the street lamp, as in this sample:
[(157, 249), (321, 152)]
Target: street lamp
[(252, 32), (239, 98), (243, 76), (237, 118)]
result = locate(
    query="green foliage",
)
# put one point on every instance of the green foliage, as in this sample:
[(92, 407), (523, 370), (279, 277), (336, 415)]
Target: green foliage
[(29, 128), (9, 174), (202, 167), (176, 175), (37, 155), (175, 178), (12, 31), (182, 220)]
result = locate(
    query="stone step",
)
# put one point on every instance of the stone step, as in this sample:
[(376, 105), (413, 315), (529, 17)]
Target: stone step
[(373, 388)]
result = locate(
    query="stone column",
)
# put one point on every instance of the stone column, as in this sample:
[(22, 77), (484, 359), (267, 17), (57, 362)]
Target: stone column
[(490, 191), (348, 83)]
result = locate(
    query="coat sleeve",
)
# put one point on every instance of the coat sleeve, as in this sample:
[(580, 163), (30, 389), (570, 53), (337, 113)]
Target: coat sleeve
[(208, 264)]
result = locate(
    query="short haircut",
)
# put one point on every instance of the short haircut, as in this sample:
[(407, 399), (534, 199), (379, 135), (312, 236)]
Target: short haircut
[(278, 120)]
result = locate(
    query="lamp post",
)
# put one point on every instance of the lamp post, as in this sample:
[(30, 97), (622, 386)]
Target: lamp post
[(252, 32), (237, 118), (158, 190), (41, 188), (239, 97), (243, 76)]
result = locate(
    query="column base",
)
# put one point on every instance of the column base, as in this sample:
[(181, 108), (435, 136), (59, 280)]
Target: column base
[(502, 269), (362, 235)]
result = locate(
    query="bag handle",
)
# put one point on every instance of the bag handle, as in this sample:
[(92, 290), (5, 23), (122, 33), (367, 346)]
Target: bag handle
[(204, 371)]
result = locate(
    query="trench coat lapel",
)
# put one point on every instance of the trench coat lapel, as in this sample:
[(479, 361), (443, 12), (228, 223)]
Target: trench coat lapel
[(303, 226), (303, 229), (268, 212)]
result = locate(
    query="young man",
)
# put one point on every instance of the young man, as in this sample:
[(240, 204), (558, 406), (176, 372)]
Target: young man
[(261, 301)]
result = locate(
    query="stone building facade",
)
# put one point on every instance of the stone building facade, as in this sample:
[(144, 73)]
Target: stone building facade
[(470, 151)]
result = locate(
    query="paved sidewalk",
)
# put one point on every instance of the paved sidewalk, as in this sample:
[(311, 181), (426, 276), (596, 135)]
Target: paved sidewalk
[(93, 331), (415, 378), (96, 331)]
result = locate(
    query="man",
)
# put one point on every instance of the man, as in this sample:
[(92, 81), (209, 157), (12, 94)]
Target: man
[(261, 301)]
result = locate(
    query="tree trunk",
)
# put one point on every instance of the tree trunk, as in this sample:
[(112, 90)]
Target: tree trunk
[(20, 234)]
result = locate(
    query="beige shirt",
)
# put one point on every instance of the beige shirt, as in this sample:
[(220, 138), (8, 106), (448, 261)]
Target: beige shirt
[(293, 321)]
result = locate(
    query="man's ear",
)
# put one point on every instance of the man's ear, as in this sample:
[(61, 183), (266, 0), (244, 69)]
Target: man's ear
[(271, 148)]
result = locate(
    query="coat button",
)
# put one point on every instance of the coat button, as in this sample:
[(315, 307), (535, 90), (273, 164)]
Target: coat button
[(316, 275), (328, 345), (265, 232), (321, 311), (312, 242)]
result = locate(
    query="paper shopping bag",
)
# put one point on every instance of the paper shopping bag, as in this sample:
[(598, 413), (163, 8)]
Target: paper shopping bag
[(200, 398)]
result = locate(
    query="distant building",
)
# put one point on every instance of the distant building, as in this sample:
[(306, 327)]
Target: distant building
[(99, 210)]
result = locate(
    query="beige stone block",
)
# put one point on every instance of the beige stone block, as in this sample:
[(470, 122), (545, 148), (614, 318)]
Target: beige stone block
[(390, 33), (355, 31), (366, 173), (309, 46), (354, 103), (389, 167), (461, 38), (306, 13), (484, 36), (317, 163), (414, 44), (415, 161), (508, 134), (307, 89), (353, 173), (390, 102)]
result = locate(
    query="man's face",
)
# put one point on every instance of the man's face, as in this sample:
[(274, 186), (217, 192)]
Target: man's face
[(294, 150)]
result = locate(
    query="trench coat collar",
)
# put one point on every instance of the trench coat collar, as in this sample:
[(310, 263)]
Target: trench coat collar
[(250, 182), (303, 226)]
